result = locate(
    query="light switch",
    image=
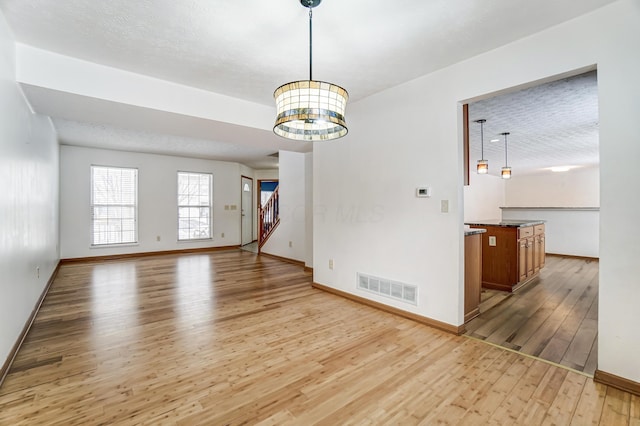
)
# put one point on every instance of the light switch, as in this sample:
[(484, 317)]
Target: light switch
[(423, 192), (444, 206), (492, 240)]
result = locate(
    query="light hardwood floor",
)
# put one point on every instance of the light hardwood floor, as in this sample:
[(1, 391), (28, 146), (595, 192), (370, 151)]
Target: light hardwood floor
[(554, 318), (235, 338)]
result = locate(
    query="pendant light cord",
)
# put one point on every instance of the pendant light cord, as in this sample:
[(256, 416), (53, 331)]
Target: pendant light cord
[(506, 164), (482, 140), (310, 44)]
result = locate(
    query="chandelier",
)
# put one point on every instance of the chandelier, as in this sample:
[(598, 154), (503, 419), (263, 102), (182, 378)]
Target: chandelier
[(310, 110)]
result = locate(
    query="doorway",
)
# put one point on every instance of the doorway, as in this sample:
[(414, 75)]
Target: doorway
[(246, 211), (551, 125), (266, 190)]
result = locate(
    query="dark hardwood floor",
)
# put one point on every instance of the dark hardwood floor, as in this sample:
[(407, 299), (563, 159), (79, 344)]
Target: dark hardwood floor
[(554, 318), (231, 338)]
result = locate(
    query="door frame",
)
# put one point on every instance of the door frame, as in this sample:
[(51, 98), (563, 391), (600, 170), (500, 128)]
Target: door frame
[(246, 210)]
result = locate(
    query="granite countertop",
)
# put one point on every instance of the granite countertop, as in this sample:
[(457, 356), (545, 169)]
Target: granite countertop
[(507, 223), (474, 231)]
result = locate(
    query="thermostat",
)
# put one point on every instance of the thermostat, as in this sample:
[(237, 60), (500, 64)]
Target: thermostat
[(423, 192)]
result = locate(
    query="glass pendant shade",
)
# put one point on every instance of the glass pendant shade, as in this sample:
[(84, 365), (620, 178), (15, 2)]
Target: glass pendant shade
[(506, 173), (483, 167), (310, 110)]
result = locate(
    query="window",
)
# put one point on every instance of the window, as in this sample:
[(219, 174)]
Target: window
[(114, 202), (194, 205)]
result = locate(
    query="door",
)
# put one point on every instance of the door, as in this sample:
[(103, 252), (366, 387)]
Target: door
[(246, 210)]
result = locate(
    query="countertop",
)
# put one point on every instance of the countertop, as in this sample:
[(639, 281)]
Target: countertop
[(507, 223), (474, 231)]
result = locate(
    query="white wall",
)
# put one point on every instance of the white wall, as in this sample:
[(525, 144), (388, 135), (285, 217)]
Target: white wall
[(375, 169), (268, 174), (157, 210), (574, 188), (572, 232), (569, 232), (289, 238), (483, 197), (28, 201), (308, 203)]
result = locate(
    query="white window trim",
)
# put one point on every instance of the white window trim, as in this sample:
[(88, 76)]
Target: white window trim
[(210, 206), (91, 206)]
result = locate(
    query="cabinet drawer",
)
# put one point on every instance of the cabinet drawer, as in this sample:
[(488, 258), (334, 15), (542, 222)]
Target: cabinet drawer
[(527, 231), (538, 229)]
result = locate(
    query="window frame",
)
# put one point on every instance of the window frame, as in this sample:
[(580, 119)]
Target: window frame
[(93, 205), (191, 236)]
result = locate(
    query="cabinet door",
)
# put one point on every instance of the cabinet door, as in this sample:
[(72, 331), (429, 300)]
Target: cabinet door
[(472, 275), (522, 259), (536, 253), (540, 251), (530, 257)]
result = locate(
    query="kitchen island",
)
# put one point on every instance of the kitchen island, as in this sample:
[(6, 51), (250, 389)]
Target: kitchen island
[(472, 272), (513, 252)]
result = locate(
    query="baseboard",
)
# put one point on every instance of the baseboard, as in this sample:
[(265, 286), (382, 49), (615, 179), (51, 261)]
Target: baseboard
[(507, 287), (146, 253), (617, 382), (494, 286), (571, 256), (471, 315), (284, 259), (458, 330), (27, 326), (308, 269)]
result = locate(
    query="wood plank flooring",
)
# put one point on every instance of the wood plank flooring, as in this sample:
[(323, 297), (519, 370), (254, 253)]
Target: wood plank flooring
[(554, 318), (234, 338)]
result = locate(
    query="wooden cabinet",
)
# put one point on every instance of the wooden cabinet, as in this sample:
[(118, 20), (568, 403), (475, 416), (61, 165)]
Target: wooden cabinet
[(472, 275), (511, 255), (527, 258), (539, 248)]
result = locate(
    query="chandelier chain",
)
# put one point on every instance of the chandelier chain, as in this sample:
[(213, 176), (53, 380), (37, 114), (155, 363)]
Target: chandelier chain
[(310, 44)]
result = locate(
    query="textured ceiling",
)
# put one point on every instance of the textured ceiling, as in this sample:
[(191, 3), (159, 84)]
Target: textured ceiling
[(246, 49), (550, 125)]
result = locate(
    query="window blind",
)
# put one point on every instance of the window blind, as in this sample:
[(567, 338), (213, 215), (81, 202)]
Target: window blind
[(114, 199), (194, 205)]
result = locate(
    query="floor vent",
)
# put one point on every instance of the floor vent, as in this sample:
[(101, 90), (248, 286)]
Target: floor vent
[(384, 287)]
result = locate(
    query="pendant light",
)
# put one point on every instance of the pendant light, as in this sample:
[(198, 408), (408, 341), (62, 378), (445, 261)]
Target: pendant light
[(310, 110), (483, 165), (506, 170)]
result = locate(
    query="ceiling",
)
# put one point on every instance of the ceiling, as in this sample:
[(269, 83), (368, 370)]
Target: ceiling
[(247, 49), (550, 125)]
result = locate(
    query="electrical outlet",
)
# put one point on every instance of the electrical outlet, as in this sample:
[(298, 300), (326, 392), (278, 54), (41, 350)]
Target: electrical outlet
[(290, 243), (330, 263), (444, 206), (222, 235), (492, 240), (38, 271), (158, 238)]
